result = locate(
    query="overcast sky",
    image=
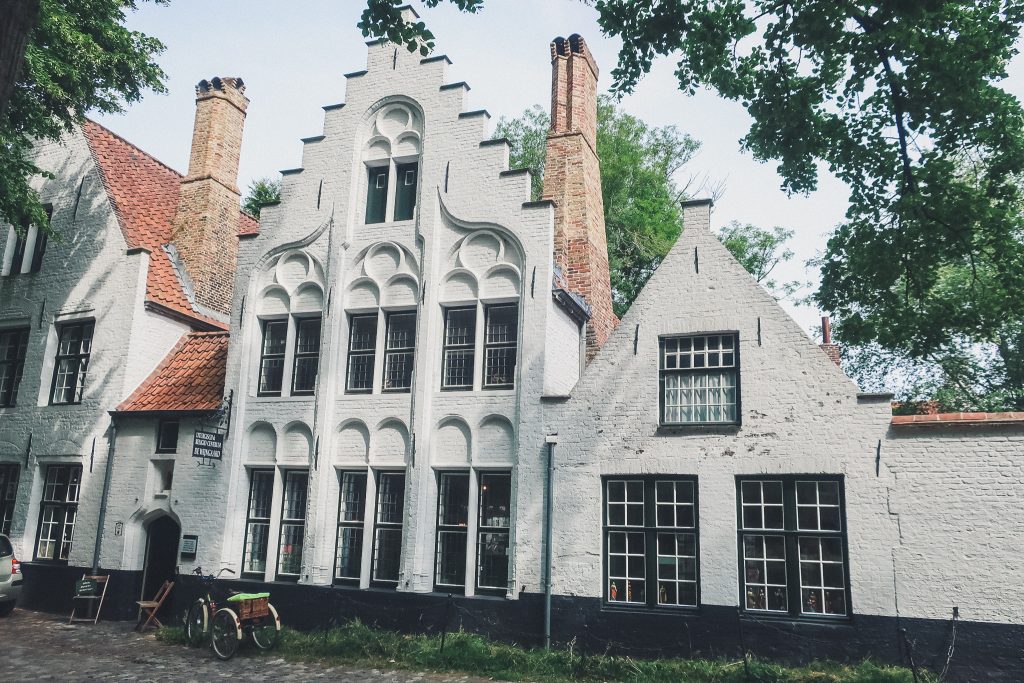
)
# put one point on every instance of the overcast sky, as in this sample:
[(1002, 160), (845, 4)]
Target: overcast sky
[(292, 56)]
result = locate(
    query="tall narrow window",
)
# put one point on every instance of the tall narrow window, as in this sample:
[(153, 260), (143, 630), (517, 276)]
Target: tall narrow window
[(493, 531), (376, 194), (351, 506), (700, 379), (387, 532), (72, 363), (8, 492), (307, 355), (500, 346), (651, 541), (167, 436), (275, 335), (293, 524), (362, 347), (793, 546), (58, 512), (405, 193), (13, 348), (452, 527), (20, 242), (257, 522), (399, 351), (459, 348), (39, 248)]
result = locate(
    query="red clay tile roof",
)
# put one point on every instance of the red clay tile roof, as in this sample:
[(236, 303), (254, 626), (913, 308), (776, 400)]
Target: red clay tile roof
[(190, 377), (144, 194), (940, 419)]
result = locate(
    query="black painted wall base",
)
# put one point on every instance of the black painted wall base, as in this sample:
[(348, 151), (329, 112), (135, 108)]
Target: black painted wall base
[(983, 651)]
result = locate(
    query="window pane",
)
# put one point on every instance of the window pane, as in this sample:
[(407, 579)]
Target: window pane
[(275, 334), (453, 500), (693, 393), (492, 558), (8, 492), (451, 558), (387, 554), (13, 348), (376, 194), (387, 541), (677, 569), (257, 533), (391, 498), (398, 357), (500, 367), (626, 571), (495, 500), (352, 501), (307, 355), (362, 348), (405, 192), (501, 336), (823, 588), (290, 558), (350, 552), (459, 345), (764, 562)]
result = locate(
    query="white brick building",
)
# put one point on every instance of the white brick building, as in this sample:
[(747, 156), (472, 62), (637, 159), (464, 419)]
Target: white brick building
[(408, 336)]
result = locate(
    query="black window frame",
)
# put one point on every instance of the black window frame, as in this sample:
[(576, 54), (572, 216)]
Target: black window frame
[(10, 477), (402, 194), (650, 529), (358, 526), (663, 372), (292, 522), (379, 526), (395, 352), (446, 528), (9, 394), (163, 428), (271, 356), (368, 353), (306, 355), (792, 534), (39, 247), (64, 506), (490, 346), (250, 520), (468, 347), (482, 530), (77, 388), (373, 174)]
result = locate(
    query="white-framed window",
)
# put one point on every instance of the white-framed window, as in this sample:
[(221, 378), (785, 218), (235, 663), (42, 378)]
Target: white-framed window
[(351, 519), (389, 518), (651, 541), (399, 351), (257, 522), (793, 545), (699, 377), (494, 521), (74, 348), (13, 350), (303, 357), (497, 345), (393, 361), (291, 536), (58, 512)]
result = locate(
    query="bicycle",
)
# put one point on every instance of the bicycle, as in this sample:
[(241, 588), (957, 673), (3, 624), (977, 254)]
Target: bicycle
[(255, 617)]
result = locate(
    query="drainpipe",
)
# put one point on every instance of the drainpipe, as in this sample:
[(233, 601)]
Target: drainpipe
[(551, 440), (103, 497)]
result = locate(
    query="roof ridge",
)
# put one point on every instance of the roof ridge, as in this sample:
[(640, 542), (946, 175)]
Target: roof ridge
[(212, 333), (131, 144)]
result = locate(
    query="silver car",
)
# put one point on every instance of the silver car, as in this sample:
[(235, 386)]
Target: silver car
[(10, 577)]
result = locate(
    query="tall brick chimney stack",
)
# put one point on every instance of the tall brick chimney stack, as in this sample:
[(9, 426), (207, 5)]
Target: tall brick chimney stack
[(206, 223), (572, 178), (831, 350)]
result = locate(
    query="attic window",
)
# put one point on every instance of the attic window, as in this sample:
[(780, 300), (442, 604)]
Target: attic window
[(699, 378), (167, 436)]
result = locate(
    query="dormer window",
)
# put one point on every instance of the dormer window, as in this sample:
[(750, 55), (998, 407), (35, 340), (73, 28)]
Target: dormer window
[(392, 156)]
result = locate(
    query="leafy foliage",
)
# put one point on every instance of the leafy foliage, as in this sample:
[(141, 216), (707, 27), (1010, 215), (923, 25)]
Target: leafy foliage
[(383, 19), (760, 251), (900, 101), (261, 192), (641, 198), (79, 58)]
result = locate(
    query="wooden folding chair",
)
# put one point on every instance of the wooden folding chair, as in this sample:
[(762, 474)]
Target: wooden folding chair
[(86, 597), (149, 608)]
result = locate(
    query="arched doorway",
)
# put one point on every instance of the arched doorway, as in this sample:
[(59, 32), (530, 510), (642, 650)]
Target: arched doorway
[(162, 537)]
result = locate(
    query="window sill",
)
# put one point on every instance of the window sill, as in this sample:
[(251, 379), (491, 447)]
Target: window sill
[(727, 428), (801, 620), (278, 399), (666, 610)]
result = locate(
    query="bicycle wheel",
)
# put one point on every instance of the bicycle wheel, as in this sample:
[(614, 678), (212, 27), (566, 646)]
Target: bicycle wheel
[(197, 621), (226, 633), (265, 632)]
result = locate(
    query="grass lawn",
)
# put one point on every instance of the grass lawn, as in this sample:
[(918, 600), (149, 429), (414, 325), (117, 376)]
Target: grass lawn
[(358, 644)]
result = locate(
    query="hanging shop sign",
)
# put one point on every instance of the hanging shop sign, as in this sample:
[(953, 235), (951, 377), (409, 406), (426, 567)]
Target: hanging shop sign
[(208, 445)]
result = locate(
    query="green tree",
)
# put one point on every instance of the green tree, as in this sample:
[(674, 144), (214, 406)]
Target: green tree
[(900, 100), (79, 57), (261, 192), (760, 251), (641, 198)]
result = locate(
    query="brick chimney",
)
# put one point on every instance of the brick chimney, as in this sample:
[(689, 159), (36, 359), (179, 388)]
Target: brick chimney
[(572, 179), (831, 350), (206, 225)]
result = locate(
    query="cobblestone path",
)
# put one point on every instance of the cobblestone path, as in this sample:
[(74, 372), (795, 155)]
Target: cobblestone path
[(41, 646)]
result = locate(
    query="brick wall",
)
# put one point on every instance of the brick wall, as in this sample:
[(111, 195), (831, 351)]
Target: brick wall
[(572, 178), (206, 223)]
